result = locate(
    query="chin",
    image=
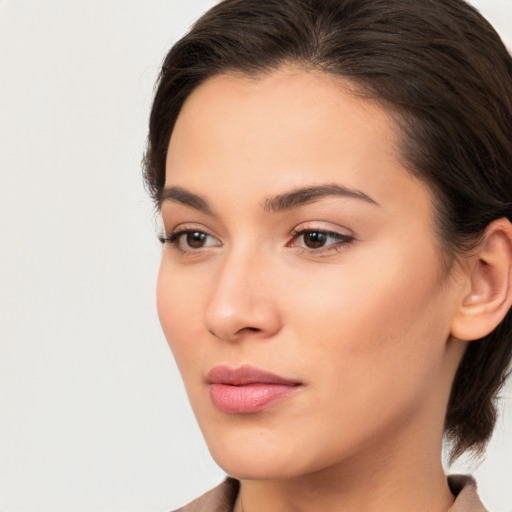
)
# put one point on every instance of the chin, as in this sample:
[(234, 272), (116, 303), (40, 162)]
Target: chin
[(260, 457), (248, 459), (243, 467)]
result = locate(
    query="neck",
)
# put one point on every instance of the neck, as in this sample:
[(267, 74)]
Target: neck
[(392, 480)]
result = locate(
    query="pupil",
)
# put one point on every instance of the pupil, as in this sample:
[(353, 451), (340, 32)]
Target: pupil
[(196, 239), (314, 239)]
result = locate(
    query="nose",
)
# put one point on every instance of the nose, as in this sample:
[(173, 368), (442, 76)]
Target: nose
[(242, 301)]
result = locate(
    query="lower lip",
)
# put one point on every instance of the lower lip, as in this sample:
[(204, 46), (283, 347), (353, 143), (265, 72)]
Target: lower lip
[(249, 398)]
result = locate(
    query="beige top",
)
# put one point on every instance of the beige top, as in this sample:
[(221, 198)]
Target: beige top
[(223, 497)]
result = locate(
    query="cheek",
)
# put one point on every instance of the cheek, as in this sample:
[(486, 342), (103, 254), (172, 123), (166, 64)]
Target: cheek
[(371, 347), (373, 324), (179, 310)]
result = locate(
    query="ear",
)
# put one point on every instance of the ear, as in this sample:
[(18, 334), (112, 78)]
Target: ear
[(488, 295)]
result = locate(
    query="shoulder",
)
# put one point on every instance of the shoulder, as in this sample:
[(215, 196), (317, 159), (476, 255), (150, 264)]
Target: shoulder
[(220, 499), (463, 488)]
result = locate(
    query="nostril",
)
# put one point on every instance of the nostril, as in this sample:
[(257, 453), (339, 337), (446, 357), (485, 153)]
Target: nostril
[(245, 331), (237, 334)]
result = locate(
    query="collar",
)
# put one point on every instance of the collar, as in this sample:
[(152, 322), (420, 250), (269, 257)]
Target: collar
[(223, 497)]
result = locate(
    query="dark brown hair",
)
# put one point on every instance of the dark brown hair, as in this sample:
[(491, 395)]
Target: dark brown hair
[(445, 75)]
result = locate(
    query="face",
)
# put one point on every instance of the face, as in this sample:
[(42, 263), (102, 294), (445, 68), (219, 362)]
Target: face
[(301, 289)]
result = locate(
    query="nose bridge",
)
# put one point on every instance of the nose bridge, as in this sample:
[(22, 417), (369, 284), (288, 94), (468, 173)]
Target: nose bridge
[(241, 300)]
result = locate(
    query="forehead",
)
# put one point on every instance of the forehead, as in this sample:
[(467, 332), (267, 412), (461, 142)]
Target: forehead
[(287, 127), (286, 104)]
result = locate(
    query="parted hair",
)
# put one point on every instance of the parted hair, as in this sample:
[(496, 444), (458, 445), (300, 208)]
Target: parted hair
[(443, 73)]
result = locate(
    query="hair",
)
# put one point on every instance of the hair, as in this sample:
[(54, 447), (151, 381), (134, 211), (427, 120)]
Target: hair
[(444, 74)]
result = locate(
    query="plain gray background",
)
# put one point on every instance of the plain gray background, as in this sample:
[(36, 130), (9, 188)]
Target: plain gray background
[(93, 416)]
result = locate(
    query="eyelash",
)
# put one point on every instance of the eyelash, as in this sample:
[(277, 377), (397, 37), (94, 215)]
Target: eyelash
[(174, 239), (342, 241)]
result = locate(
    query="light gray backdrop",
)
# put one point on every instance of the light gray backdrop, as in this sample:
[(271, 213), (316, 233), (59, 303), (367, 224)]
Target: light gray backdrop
[(93, 416)]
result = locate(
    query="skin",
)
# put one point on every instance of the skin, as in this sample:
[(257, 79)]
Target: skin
[(364, 325)]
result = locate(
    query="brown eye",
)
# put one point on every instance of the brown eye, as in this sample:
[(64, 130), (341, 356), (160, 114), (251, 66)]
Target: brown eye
[(188, 240), (314, 239), (318, 241), (195, 239)]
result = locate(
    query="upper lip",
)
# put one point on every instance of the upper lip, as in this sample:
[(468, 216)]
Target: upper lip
[(245, 375)]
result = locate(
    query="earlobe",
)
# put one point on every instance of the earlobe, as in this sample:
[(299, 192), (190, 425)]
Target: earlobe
[(489, 277)]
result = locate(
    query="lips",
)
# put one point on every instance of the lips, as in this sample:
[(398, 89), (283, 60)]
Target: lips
[(247, 390)]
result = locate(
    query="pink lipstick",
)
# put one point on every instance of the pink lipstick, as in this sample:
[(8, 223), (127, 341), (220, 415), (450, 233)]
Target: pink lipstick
[(246, 389)]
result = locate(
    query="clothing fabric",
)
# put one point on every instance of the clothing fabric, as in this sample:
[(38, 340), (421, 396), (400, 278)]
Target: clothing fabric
[(220, 499), (467, 500), (223, 497)]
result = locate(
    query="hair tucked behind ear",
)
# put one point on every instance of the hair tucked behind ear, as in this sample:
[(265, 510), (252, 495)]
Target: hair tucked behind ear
[(446, 76)]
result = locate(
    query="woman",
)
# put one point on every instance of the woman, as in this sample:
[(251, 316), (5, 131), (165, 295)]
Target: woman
[(335, 184)]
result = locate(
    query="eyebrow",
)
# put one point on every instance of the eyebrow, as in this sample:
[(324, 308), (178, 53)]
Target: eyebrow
[(307, 195), (182, 196), (274, 204)]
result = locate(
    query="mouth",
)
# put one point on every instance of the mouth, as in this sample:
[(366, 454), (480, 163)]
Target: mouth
[(247, 390)]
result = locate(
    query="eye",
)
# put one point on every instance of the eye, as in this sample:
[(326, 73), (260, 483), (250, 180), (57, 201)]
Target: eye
[(194, 239), (187, 240), (316, 240)]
